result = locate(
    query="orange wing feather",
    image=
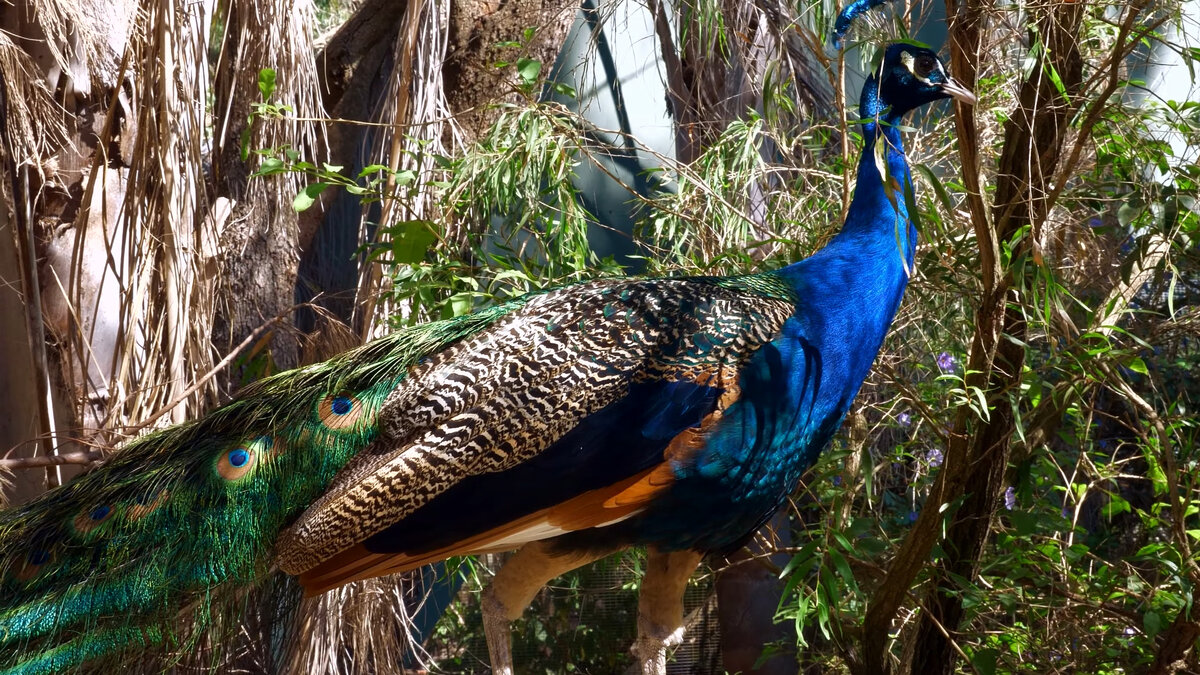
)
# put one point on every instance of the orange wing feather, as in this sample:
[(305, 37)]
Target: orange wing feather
[(590, 509)]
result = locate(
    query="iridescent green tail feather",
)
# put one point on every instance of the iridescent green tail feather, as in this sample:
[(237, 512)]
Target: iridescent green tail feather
[(182, 517)]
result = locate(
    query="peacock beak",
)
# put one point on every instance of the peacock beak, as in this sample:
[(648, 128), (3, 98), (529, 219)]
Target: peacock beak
[(954, 90)]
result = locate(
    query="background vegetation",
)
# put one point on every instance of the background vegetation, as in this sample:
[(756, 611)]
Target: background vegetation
[(1016, 488)]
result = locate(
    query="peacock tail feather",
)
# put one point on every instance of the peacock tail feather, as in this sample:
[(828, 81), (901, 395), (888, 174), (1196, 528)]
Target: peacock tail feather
[(105, 563)]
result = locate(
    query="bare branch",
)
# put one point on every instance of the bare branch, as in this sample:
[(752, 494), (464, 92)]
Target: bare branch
[(43, 461)]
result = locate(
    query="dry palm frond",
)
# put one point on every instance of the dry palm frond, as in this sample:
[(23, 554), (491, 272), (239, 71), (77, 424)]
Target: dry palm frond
[(166, 308), (35, 122), (359, 629), (269, 34), (65, 32), (33, 129)]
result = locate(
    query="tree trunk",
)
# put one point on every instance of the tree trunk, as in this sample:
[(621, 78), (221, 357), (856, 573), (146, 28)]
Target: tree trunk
[(432, 79), (21, 425), (258, 229), (747, 597), (1034, 139)]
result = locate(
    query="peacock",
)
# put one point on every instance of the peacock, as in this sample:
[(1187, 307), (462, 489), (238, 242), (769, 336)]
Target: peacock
[(671, 413)]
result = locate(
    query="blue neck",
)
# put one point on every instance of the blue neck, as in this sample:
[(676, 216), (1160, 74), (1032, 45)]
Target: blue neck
[(878, 214), (878, 237), (849, 291)]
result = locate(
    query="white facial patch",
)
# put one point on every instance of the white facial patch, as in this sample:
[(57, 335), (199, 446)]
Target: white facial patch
[(910, 62)]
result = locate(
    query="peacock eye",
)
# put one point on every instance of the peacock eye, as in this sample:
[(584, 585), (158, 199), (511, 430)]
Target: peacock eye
[(237, 462), (341, 412), (924, 65)]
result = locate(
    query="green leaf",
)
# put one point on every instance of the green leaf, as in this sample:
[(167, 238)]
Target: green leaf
[(270, 166), (1026, 524), (984, 661), (266, 82), (1116, 505), (1054, 78), (370, 169), (871, 547), (843, 568), (1137, 365), (411, 240), (528, 69), (881, 165), (1152, 623), (1129, 211), (939, 189), (461, 303), (1154, 471), (308, 196), (841, 540), (244, 144), (910, 204), (800, 563)]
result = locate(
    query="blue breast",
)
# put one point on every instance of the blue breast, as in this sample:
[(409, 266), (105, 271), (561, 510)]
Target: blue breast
[(795, 392)]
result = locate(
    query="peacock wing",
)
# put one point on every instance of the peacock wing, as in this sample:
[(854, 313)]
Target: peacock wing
[(577, 401)]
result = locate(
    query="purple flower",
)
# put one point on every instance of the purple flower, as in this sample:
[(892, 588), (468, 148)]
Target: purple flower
[(1010, 498), (1067, 512), (837, 481), (946, 362), (934, 457), (912, 516), (1095, 222), (904, 419)]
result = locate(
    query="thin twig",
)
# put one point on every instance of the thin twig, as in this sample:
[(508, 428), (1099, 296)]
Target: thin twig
[(42, 461)]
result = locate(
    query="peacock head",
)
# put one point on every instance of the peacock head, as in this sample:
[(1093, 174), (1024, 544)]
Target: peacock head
[(909, 76)]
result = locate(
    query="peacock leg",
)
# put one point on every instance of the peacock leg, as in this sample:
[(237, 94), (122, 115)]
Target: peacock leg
[(513, 588), (660, 607)]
